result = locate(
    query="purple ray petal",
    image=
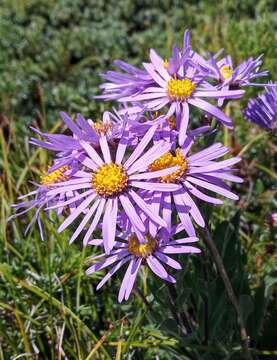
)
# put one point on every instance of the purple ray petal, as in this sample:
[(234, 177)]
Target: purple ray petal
[(213, 110), (212, 187), (180, 249), (141, 146), (147, 209), (92, 153), (167, 210), (129, 279), (95, 221), (183, 123), (159, 149), (105, 149), (109, 224), (71, 200), (112, 271), (158, 269), (154, 174), (231, 94), (107, 262), (155, 186), (150, 69), (157, 61), (215, 166), (59, 190), (201, 195), (121, 148), (168, 260), (85, 220), (76, 212), (195, 213), (131, 213)]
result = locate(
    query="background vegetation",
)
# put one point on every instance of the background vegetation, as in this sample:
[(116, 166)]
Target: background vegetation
[(51, 55)]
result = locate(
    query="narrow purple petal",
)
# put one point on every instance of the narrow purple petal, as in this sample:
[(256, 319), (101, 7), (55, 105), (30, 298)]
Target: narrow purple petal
[(109, 224), (129, 279), (215, 166), (107, 262), (92, 153), (168, 260), (147, 209), (213, 110), (76, 212), (105, 149), (158, 269), (195, 213), (201, 195), (154, 174), (141, 146), (131, 213), (61, 189), (95, 221), (180, 249), (155, 186), (212, 187), (85, 220), (71, 200), (183, 123), (112, 271), (159, 80)]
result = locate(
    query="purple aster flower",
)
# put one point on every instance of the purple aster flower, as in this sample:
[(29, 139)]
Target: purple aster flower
[(225, 73), (230, 77), (68, 147), (179, 91), (110, 186), (137, 249), (198, 173), (166, 128), (41, 199), (263, 110), (129, 82)]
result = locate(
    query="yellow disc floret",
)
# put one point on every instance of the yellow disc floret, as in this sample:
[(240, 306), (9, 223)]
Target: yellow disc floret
[(55, 176), (142, 249), (226, 71), (110, 179), (180, 89), (102, 128), (168, 160)]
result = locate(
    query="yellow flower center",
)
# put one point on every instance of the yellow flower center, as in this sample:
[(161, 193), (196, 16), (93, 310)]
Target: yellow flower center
[(55, 176), (165, 63), (110, 179), (102, 128), (168, 160), (138, 249), (226, 71), (180, 89)]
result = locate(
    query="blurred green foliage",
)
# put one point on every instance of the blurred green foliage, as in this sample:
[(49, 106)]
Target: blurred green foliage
[(51, 55)]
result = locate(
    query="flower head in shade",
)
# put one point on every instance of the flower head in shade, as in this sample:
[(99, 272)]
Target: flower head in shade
[(197, 174), (263, 109), (137, 249), (110, 185), (178, 91), (40, 199)]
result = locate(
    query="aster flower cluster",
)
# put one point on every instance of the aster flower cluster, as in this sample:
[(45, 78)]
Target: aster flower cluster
[(134, 181)]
